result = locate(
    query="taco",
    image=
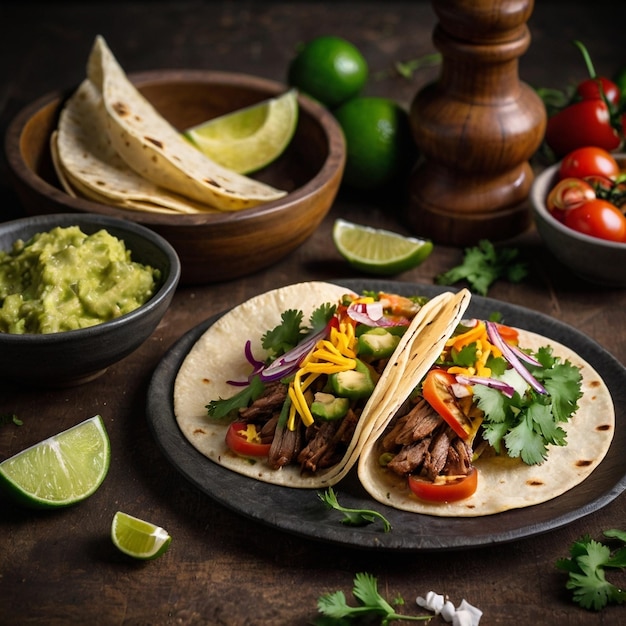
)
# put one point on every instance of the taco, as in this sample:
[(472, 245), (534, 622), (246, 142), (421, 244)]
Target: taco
[(504, 419), (113, 146), (304, 406)]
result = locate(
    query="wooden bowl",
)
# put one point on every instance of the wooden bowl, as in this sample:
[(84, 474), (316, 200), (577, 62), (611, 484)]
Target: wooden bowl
[(211, 247)]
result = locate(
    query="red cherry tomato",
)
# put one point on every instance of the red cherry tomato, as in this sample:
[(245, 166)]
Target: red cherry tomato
[(588, 161), (238, 440), (598, 88), (437, 391), (584, 123), (598, 218), (446, 490), (567, 194)]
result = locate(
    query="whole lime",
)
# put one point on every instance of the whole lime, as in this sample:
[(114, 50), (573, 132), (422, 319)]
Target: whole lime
[(379, 146), (329, 69)]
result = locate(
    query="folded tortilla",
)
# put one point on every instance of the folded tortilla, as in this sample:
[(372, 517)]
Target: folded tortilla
[(505, 483), (157, 152), (218, 356)]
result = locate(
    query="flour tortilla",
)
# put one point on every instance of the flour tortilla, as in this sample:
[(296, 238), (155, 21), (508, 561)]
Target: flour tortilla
[(156, 151), (88, 165), (505, 483), (218, 356)]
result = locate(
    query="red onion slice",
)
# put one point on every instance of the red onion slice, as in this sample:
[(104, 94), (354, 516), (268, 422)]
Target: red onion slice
[(511, 357), (371, 314), (494, 383)]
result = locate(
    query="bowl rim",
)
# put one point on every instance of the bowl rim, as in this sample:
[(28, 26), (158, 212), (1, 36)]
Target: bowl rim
[(541, 187), (331, 128), (166, 288)]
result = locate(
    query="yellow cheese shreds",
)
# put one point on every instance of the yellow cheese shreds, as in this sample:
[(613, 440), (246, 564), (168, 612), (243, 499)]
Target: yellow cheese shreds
[(291, 420)]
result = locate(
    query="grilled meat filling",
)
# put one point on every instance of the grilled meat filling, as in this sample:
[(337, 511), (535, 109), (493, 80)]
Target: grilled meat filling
[(422, 443)]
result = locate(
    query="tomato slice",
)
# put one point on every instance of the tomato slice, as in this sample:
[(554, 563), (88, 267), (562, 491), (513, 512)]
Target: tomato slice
[(509, 334), (567, 194), (241, 441), (445, 489), (437, 391)]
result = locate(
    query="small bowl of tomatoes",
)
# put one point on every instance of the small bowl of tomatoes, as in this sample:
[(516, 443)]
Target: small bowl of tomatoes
[(579, 208)]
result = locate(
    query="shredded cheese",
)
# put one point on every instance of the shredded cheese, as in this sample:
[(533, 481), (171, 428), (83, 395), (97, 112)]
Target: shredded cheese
[(329, 356)]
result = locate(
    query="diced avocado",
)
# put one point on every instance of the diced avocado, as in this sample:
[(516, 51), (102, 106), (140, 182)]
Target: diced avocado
[(378, 343), (327, 407), (353, 384)]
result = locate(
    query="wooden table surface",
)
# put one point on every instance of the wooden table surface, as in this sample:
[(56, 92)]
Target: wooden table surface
[(222, 569)]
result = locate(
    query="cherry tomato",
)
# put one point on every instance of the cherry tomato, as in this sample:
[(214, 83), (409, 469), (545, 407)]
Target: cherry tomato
[(437, 391), (508, 333), (447, 490), (588, 161), (240, 442), (567, 194), (598, 218), (598, 88), (584, 123)]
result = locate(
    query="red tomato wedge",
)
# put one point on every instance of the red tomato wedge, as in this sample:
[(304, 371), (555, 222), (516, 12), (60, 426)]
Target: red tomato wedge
[(447, 490), (437, 391), (239, 442)]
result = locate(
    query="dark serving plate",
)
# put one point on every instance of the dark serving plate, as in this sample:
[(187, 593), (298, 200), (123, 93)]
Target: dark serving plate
[(301, 512)]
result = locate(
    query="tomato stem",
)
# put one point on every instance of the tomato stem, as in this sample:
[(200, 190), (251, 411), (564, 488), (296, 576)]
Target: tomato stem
[(587, 58)]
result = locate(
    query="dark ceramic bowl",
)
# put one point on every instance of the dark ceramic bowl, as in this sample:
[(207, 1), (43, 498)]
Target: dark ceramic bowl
[(596, 260), (215, 246), (77, 356)]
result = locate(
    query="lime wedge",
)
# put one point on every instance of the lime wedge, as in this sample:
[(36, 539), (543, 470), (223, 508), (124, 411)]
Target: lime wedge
[(378, 251), (61, 470), (138, 538), (251, 138)]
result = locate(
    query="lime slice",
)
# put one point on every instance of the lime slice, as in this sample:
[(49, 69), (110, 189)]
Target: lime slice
[(61, 470), (138, 538), (378, 251), (248, 139)]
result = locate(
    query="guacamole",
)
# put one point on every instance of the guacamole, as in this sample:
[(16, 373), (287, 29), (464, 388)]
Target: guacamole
[(65, 279)]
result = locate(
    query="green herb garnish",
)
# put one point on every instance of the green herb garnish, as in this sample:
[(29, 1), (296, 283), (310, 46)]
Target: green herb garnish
[(353, 517), (338, 612), (484, 264), (587, 565)]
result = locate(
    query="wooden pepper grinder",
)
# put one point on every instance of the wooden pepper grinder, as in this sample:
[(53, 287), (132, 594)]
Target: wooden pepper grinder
[(476, 127)]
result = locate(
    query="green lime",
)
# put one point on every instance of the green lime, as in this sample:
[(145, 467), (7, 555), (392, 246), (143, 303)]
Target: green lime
[(138, 538), (329, 69), (248, 139), (378, 251), (379, 147), (61, 470)]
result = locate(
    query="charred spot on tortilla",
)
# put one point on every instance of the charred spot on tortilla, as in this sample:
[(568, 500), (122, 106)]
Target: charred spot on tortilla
[(120, 108), (535, 483), (583, 463), (199, 431), (604, 427)]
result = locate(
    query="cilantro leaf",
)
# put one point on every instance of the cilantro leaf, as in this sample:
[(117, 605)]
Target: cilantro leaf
[(483, 264), (7, 418), (338, 612), (353, 517), (224, 407), (285, 335), (586, 568)]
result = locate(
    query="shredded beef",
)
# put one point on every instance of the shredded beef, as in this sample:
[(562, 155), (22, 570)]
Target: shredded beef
[(459, 461), (418, 423), (437, 455), (410, 458), (327, 442), (271, 400), (285, 447)]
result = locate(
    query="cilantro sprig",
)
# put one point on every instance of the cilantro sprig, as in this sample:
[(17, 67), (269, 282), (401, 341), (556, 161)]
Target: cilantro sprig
[(291, 331), (353, 517), (483, 264), (528, 422), (586, 566), (336, 610)]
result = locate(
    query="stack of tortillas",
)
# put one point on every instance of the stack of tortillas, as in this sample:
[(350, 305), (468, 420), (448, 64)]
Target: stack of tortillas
[(112, 146)]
